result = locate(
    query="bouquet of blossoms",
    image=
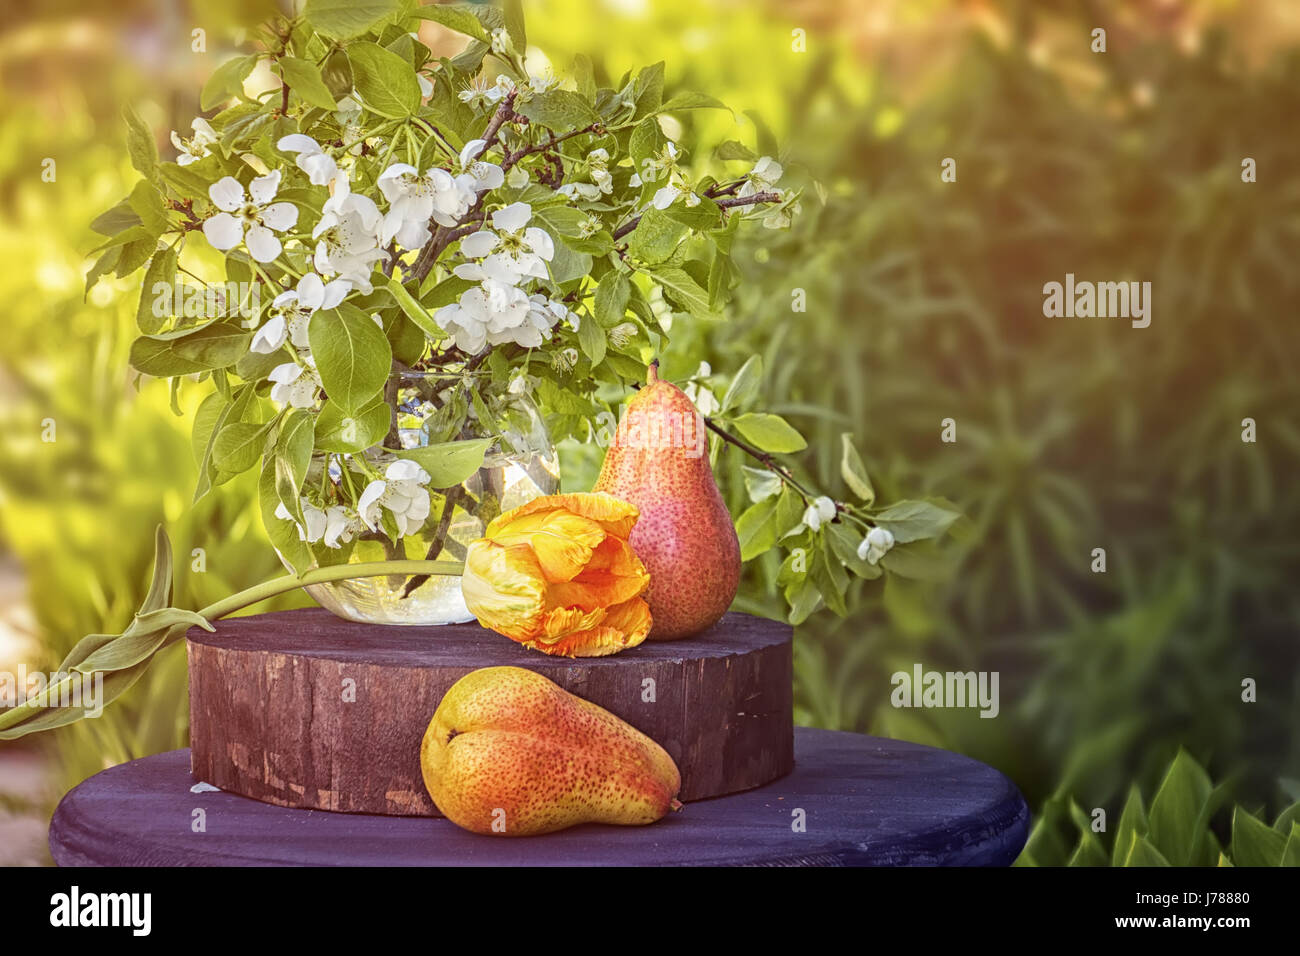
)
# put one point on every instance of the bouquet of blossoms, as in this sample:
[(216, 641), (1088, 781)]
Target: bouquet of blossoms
[(429, 271)]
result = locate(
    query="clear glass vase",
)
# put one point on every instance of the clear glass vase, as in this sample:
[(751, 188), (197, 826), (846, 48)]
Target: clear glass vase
[(520, 465)]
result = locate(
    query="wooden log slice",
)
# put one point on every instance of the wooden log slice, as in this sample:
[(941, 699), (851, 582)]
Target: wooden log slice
[(304, 709)]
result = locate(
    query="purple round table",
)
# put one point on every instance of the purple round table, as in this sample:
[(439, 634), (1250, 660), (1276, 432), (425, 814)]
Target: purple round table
[(851, 800)]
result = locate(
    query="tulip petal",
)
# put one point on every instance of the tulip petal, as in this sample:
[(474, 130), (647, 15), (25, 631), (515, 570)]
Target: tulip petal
[(623, 626), (614, 515), (563, 542), (613, 575), (504, 588)]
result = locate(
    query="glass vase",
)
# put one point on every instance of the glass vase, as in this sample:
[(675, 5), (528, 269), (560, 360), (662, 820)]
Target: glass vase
[(520, 465)]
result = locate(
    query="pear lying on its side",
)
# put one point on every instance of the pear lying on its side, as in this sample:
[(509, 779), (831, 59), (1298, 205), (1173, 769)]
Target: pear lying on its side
[(658, 460), (510, 753)]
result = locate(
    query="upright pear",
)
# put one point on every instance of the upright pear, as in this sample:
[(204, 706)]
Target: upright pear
[(658, 460), (511, 753)]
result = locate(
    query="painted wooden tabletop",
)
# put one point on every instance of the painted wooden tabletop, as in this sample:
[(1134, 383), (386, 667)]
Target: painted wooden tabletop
[(864, 801)]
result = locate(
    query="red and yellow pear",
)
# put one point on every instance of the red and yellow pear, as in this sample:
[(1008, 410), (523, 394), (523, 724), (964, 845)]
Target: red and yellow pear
[(658, 460)]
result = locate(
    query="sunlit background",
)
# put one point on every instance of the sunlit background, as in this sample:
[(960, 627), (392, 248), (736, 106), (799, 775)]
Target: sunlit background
[(924, 303)]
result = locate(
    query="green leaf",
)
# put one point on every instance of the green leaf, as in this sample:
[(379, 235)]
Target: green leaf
[(384, 80), (514, 17), (282, 534), (455, 17), (1175, 809), (683, 291), (414, 311), (1255, 843), (844, 540), (337, 431), (744, 386), (689, 100), (648, 90), (1291, 852), (920, 561), (734, 150), (216, 345), (149, 314), (345, 19), (1142, 853), (761, 483), (147, 203), (656, 237), (226, 81), (769, 432), (592, 339), (559, 110), (611, 299), (184, 180), (293, 450), (449, 463), (140, 144), (352, 355), (238, 446), (304, 78), (646, 141), (117, 219), (1132, 822), (914, 520), (756, 530), (854, 472)]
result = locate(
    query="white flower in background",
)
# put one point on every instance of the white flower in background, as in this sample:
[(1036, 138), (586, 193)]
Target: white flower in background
[(342, 524), (347, 237), (543, 314), (426, 86), (511, 252), (875, 545), (492, 311), (414, 199), (622, 334), (402, 491), (251, 218), (195, 147), (348, 116), (821, 510), (501, 42), (517, 178), (312, 159), (564, 360), (762, 178), (294, 385), (602, 182), (544, 83), (476, 174), (480, 93), (292, 310), (314, 517)]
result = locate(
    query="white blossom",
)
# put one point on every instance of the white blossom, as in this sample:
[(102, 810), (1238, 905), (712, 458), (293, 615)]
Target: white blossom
[(347, 237), (821, 510), (315, 518), (292, 311), (762, 177), (474, 174), (294, 385), (342, 524), (402, 492), (250, 218), (195, 147), (513, 251), (875, 545), (312, 159)]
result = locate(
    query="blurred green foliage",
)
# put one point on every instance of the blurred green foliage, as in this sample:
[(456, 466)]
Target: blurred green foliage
[(924, 303)]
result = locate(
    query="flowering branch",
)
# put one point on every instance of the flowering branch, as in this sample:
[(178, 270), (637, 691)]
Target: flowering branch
[(730, 203)]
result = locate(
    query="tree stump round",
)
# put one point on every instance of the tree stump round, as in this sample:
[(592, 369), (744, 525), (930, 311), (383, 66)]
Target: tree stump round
[(303, 709)]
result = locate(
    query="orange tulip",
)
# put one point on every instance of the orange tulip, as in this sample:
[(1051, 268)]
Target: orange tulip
[(559, 576)]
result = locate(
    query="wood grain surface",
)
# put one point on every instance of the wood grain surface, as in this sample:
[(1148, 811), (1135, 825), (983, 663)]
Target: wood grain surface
[(303, 709)]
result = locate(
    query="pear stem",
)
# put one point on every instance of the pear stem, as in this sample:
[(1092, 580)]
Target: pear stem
[(652, 373)]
